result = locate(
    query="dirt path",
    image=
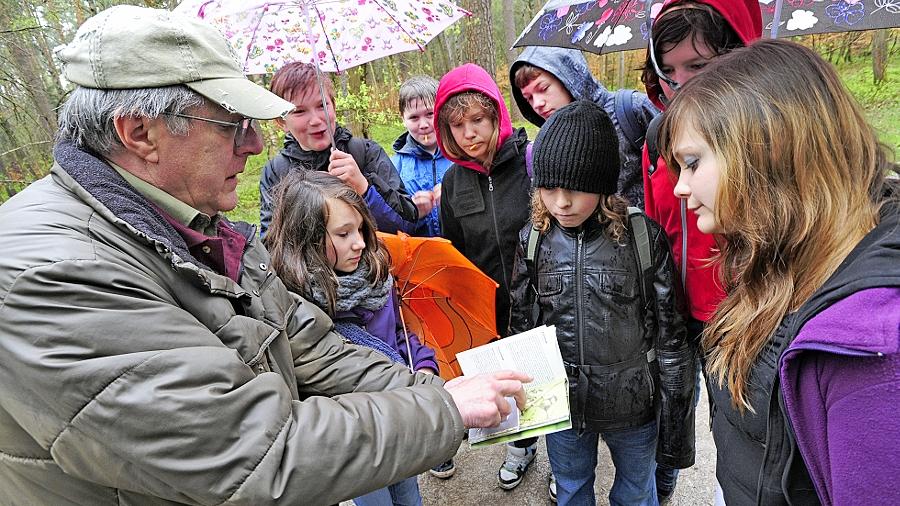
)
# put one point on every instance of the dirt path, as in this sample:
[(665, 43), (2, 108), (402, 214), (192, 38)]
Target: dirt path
[(475, 481)]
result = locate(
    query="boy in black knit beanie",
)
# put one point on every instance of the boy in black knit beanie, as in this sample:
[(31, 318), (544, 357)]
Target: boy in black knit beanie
[(592, 270)]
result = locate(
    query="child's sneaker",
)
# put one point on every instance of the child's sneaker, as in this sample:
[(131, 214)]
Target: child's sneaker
[(552, 488), (517, 462), (444, 470)]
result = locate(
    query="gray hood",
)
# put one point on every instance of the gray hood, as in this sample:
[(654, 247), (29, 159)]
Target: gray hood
[(567, 65)]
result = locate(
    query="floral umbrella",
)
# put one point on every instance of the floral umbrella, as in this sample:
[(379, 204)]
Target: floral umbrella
[(604, 26), (340, 33)]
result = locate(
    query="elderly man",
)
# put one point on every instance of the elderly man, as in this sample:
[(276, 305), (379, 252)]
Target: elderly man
[(148, 354)]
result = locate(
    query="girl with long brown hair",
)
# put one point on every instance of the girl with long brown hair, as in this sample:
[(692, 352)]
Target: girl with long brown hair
[(323, 246), (776, 157)]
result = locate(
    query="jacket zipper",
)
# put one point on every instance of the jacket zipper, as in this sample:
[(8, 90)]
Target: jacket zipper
[(579, 296), (497, 238), (434, 180)]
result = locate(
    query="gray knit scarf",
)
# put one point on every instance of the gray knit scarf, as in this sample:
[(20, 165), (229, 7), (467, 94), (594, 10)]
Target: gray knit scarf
[(354, 290)]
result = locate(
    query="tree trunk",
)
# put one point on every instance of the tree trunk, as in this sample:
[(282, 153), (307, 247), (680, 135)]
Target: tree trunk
[(509, 25), (30, 75), (478, 37), (879, 55)]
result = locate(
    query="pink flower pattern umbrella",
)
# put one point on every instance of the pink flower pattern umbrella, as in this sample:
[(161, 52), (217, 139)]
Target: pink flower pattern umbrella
[(340, 33)]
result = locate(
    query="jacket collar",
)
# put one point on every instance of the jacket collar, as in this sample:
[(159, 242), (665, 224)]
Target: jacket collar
[(314, 159), (407, 145), (119, 202)]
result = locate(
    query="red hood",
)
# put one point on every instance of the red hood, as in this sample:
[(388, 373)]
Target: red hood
[(744, 16), (470, 77)]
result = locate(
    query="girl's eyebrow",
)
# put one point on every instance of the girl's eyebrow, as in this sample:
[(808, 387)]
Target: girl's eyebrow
[(682, 151)]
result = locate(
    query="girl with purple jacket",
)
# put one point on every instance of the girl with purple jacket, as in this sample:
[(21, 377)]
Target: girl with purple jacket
[(803, 355), (323, 245)]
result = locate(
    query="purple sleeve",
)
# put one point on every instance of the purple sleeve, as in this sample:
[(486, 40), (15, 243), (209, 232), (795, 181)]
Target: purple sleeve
[(861, 396), (841, 385), (385, 217), (422, 355)]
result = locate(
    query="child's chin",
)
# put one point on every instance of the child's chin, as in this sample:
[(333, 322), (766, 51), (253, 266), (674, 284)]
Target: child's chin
[(568, 221)]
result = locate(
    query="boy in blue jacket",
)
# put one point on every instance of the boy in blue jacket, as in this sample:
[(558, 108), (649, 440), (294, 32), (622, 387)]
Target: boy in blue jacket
[(418, 159)]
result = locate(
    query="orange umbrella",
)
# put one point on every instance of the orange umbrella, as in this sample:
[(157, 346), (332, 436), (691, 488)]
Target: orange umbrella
[(444, 298)]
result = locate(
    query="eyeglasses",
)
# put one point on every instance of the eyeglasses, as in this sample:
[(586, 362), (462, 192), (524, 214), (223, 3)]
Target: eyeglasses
[(241, 126)]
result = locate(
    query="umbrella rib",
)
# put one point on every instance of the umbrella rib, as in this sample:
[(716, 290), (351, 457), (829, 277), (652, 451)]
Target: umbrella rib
[(312, 4), (395, 20), (420, 283), (412, 266), (262, 14)]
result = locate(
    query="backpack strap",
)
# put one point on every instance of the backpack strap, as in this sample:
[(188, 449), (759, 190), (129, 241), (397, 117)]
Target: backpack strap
[(652, 142), (531, 252), (641, 242), (356, 147), (641, 239), (628, 120), (529, 159)]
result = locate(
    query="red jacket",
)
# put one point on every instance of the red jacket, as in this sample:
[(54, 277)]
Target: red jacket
[(700, 278)]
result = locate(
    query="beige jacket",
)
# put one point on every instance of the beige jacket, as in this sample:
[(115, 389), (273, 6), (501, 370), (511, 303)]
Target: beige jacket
[(129, 374)]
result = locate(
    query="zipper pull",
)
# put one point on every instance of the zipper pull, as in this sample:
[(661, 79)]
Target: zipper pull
[(490, 184)]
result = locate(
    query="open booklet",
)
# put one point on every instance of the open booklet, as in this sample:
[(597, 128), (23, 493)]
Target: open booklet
[(536, 353)]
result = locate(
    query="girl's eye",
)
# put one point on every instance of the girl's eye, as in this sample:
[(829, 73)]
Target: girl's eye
[(691, 163), (666, 70), (698, 66)]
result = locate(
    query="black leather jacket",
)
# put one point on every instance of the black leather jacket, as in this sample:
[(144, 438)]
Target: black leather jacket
[(626, 364)]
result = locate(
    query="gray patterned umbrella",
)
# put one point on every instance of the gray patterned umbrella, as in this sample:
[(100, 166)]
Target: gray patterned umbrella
[(604, 26)]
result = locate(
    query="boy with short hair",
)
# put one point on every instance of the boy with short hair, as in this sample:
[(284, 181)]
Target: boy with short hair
[(311, 132), (544, 79), (418, 159)]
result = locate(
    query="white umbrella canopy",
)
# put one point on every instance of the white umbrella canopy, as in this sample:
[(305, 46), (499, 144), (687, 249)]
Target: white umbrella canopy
[(334, 34)]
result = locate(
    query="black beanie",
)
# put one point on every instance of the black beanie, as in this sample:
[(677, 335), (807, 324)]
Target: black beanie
[(577, 149)]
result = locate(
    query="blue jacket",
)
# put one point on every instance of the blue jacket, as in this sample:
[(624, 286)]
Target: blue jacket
[(386, 197), (570, 67), (420, 171)]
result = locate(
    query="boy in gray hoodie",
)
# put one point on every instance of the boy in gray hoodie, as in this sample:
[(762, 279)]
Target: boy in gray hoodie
[(544, 79)]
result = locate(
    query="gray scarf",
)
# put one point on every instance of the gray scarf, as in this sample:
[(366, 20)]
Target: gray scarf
[(354, 290)]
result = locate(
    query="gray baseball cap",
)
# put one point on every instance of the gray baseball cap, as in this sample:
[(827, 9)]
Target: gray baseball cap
[(128, 47)]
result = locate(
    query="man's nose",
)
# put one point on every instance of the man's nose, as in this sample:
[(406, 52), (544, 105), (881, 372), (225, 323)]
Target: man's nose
[(252, 143)]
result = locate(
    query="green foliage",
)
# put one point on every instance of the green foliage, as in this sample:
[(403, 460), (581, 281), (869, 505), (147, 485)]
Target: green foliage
[(879, 101), (359, 108)]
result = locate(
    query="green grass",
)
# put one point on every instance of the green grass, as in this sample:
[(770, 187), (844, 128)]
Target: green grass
[(879, 101)]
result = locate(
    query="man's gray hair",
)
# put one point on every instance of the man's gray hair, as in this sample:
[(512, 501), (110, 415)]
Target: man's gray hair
[(86, 118), (422, 88)]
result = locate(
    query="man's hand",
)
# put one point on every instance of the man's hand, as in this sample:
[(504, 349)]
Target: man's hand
[(343, 166), (481, 399), (424, 201)]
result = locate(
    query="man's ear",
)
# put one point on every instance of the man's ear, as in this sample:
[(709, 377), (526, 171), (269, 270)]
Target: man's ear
[(140, 136), (281, 124)]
